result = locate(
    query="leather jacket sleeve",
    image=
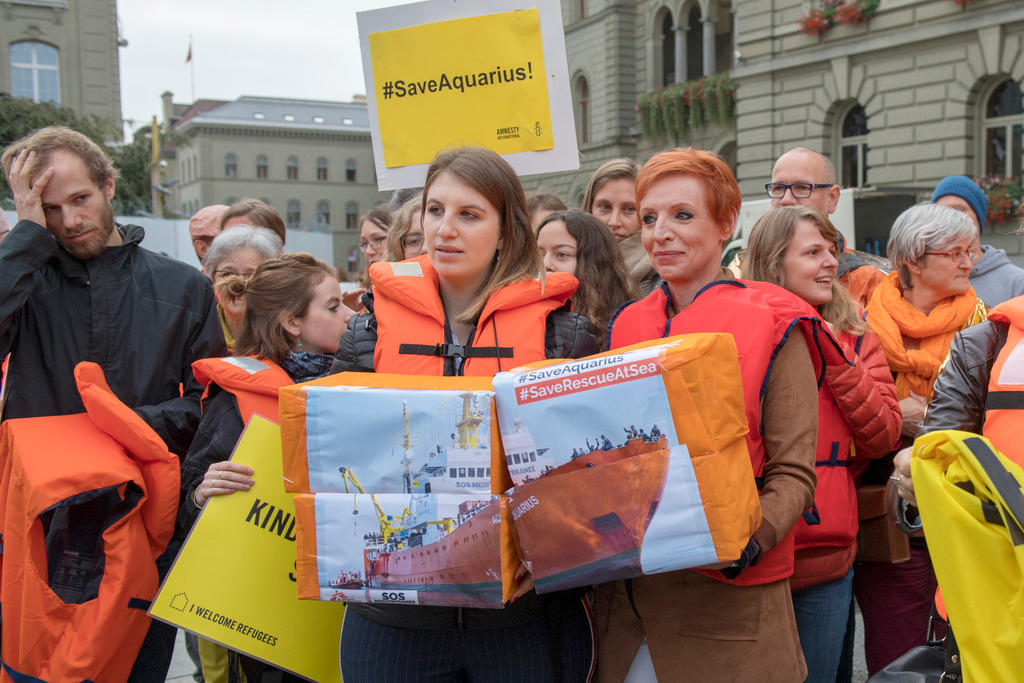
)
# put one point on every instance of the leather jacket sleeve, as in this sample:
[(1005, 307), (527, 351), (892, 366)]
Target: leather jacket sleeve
[(958, 398), (866, 395)]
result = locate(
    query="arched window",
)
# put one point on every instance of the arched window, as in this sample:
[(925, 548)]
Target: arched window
[(351, 216), (323, 214), (668, 50), (35, 72), (261, 166), (1003, 128), (853, 148), (694, 45), (321, 168), (294, 214), (581, 100), (230, 165), (293, 168), (350, 170)]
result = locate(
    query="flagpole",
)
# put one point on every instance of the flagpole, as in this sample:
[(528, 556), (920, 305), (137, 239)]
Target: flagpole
[(192, 69)]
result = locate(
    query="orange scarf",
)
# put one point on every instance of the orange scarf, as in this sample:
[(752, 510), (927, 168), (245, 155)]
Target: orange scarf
[(892, 318)]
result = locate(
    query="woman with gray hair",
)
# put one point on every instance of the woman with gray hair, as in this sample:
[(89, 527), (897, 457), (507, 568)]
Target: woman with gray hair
[(915, 311), (237, 250)]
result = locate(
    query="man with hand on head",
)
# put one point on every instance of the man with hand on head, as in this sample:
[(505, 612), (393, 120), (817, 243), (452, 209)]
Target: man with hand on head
[(802, 177), (993, 277), (75, 286)]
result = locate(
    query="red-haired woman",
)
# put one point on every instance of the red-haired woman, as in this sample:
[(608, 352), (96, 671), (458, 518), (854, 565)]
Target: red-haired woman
[(736, 622)]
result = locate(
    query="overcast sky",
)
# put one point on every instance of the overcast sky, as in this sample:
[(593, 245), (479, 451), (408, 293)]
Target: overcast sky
[(303, 49)]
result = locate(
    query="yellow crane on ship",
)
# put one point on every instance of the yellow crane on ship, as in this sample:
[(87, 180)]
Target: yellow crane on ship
[(388, 525)]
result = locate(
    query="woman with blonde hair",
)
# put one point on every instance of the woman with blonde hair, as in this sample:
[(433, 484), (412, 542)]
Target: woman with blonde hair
[(405, 236), (476, 303), (797, 248), (610, 196)]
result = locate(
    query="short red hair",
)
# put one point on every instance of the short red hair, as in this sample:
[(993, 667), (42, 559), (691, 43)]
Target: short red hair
[(723, 194)]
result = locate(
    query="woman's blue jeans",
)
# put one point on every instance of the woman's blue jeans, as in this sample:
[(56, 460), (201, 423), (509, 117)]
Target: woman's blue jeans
[(821, 615)]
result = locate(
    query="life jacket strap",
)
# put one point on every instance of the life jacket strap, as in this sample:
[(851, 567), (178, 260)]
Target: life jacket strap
[(456, 350), (1005, 400)]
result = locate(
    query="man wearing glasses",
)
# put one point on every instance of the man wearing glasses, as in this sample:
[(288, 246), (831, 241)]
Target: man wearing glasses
[(804, 177), (204, 226), (993, 277)]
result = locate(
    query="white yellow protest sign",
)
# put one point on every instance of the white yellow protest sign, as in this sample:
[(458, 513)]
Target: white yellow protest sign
[(234, 580), (497, 97), (446, 73)]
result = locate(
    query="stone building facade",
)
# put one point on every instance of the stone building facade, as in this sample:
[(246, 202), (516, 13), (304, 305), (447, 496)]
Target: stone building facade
[(923, 89), (62, 51), (310, 160)]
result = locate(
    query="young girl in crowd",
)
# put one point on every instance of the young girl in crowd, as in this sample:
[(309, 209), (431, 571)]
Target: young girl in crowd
[(405, 237), (610, 197), (293, 322), (796, 248), (480, 288), (577, 243)]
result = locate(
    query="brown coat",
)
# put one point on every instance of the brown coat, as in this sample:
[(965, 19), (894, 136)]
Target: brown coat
[(700, 629)]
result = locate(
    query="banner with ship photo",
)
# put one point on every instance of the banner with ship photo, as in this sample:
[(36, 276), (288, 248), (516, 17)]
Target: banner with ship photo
[(639, 456), (411, 549), (361, 432)]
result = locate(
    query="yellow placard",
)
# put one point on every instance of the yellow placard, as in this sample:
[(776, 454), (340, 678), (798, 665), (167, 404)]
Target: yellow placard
[(477, 81), (234, 580)]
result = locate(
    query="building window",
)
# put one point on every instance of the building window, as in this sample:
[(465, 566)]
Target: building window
[(261, 166), (581, 95), (35, 72), (294, 213), (230, 166), (694, 45), (350, 170), (321, 168), (668, 50), (293, 168), (351, 216), (323, 214), (853, 148), (1003, 131)]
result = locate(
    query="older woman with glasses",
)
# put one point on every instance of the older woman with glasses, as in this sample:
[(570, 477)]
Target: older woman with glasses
[(237, 251), (915, 311)]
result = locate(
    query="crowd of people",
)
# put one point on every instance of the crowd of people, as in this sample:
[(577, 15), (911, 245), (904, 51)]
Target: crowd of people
[(843, 365)]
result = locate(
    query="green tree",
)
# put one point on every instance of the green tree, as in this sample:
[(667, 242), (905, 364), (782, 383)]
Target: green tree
[(19, 117)]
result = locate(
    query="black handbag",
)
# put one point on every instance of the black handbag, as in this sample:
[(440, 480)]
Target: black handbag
[(936, 662)]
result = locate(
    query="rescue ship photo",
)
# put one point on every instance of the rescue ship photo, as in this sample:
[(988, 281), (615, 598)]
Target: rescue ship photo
[(585, 522), (434, 548)]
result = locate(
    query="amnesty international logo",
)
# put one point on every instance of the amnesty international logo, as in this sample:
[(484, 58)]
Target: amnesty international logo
[(538, 129)]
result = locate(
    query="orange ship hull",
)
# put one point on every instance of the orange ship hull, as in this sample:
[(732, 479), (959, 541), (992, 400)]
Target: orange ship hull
[(462, 569), (584, 524)]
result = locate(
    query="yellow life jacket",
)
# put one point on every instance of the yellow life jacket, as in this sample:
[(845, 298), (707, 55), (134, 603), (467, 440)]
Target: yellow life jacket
[(972, 509)]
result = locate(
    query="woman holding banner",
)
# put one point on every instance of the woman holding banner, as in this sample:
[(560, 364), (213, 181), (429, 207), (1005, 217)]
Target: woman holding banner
[(796, 247), (734, 622), (478, 302), (293, 320)]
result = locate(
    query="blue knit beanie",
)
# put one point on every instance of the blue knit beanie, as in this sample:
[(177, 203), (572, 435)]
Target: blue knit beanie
[(968, 190)]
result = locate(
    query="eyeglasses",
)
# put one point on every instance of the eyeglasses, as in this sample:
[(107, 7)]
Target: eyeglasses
[(799, 190), (205, 239), (377, 243), (970, 255), (412, 241), (218, 274)]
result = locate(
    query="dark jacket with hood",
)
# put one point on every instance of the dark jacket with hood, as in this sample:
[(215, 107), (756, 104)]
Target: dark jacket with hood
[(142, 317)]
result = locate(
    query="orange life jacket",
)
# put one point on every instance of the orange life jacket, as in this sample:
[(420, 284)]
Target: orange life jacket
[(253, 381), (87, 504), (760, 316), (1004, 407), (411, 322)]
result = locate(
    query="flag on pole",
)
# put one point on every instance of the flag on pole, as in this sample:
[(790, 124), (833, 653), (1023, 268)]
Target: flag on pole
[(188, 57)]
